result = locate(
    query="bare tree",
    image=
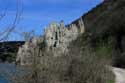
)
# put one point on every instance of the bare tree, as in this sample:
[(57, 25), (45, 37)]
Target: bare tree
[(5, 34)]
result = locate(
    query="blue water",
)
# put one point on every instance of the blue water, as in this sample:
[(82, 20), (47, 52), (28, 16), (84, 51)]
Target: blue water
[(3, 68), (3, 80)]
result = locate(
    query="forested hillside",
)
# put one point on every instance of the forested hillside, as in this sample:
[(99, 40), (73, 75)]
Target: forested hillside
[(8, 50)]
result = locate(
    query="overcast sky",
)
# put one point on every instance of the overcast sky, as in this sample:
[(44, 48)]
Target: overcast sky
[(36, 14)]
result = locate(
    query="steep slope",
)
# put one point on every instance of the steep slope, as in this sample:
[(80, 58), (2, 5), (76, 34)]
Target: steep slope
[(106, 24), (104, 16)]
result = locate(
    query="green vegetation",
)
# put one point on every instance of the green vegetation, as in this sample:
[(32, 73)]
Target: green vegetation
[(8, 57), (111, 81), (8, 50)]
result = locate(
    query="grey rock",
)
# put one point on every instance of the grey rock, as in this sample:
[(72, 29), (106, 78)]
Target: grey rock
[(56, 38)]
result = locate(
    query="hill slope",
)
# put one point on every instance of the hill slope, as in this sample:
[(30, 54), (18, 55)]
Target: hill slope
[(9, 49), (105, 24)]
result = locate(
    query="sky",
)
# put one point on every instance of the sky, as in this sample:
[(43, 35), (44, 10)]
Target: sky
[(35, 15)]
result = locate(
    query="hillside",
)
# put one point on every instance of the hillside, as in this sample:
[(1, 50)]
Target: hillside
[(8, 50), (105, 24)]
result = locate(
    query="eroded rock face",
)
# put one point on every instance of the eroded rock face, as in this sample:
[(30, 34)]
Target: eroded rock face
[(56, 39), (59, 36), (26, 52)]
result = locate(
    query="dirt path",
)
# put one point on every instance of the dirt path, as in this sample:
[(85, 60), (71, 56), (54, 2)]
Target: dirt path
[(120, 75)]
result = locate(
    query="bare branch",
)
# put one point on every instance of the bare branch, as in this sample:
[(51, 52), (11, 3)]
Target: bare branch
[(5, 34)]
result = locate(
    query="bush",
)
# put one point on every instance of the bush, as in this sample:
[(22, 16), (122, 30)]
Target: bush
[(74, 67), (80, 65)]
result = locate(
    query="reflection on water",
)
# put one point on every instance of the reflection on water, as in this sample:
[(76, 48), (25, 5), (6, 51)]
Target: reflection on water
[(4, 69)]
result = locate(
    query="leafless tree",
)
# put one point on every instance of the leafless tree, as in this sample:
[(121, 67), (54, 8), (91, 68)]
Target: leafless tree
[(5, 34)]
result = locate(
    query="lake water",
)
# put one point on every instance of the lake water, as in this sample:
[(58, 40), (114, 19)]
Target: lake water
[(5, 67), (3, 80)]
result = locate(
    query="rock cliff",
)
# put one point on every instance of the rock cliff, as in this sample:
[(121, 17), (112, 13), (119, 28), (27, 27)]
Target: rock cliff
[(57, 37)]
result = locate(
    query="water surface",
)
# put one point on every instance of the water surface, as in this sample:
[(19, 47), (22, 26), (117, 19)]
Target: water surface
[(5, 70)]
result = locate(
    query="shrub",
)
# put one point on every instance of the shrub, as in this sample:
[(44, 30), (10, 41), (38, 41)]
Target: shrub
[(80, 65)]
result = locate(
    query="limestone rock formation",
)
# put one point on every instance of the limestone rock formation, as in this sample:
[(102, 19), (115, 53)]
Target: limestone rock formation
[(59, 36), (56, 39), (26, 51)]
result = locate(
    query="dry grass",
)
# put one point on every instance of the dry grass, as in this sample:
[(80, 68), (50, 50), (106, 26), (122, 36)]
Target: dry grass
[(80, 65), (75, 67)]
